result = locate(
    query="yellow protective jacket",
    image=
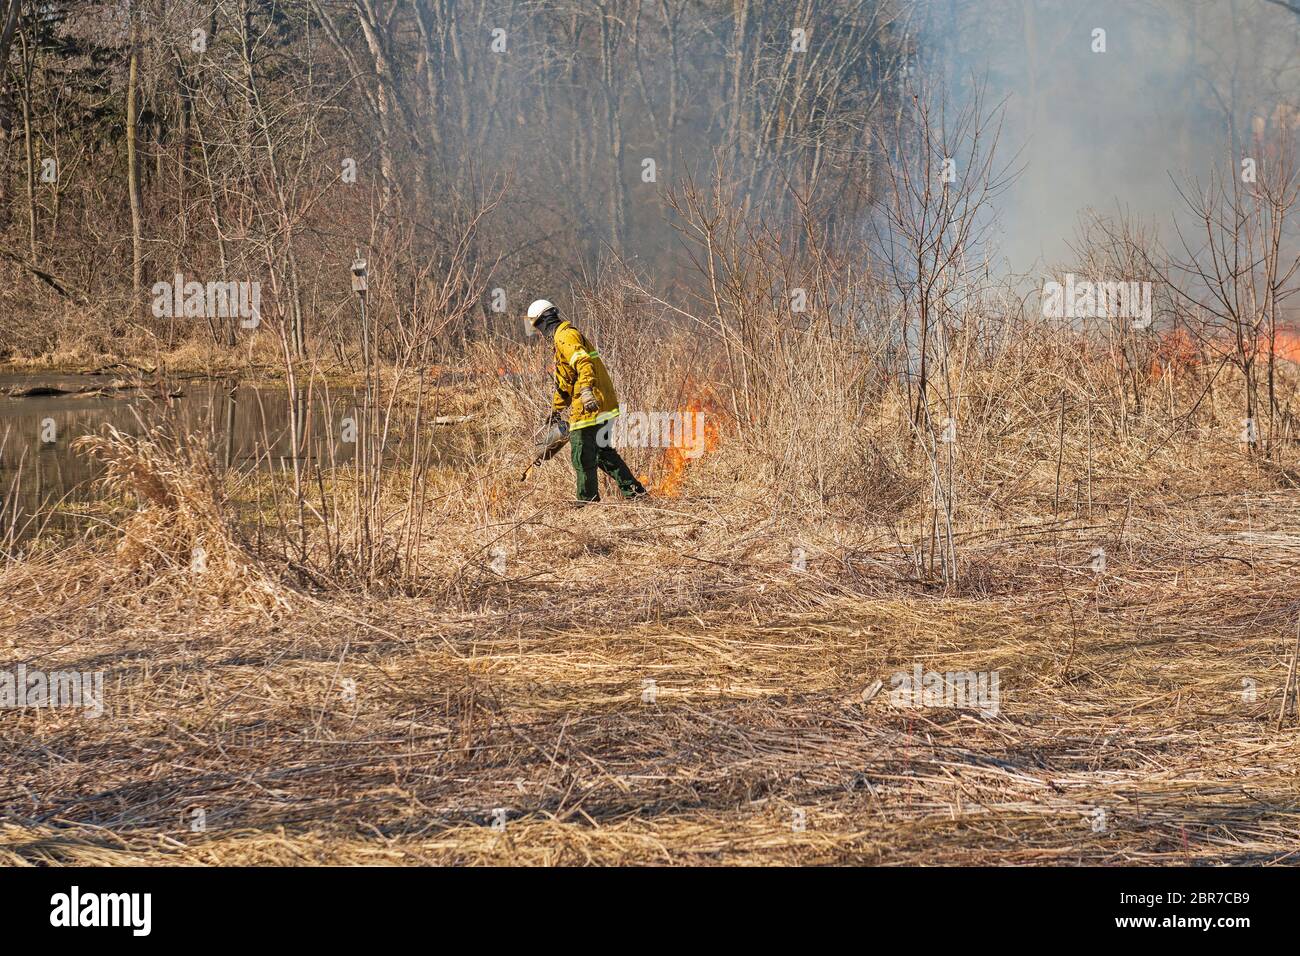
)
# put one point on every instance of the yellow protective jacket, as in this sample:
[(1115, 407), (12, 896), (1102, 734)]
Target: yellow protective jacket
[(579, 366)]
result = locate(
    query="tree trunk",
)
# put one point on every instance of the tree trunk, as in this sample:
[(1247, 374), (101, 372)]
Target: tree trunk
[(132, 165), (30, 153)]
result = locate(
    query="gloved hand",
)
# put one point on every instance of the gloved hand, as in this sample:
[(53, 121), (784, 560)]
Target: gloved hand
[(555, 419), (589, 403)]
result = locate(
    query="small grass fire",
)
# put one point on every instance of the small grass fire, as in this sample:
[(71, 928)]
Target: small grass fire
[(684, 435)]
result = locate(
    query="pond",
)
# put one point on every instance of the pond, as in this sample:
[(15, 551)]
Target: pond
[(243, 426)]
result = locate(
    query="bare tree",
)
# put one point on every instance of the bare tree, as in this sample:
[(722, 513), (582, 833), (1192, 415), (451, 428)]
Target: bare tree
[(1238, 271)]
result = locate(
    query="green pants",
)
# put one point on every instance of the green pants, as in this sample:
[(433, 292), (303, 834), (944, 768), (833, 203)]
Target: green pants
[(592, 448)]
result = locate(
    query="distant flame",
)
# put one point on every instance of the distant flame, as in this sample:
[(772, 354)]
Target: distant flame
[(1288, 345), (1177, 351)]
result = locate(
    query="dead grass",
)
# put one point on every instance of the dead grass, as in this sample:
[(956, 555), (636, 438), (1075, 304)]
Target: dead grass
[(178, 539), (367, 724), (1122, 693)]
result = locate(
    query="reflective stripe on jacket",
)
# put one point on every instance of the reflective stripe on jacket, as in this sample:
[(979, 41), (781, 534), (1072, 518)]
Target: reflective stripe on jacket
[(579, 366)]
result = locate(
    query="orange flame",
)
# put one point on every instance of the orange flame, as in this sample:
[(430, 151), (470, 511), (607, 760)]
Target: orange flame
[(1288, 345), (1177, 351), (671, 469)]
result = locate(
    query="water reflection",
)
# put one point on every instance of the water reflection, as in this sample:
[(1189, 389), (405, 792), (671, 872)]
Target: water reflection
[(243, 426)]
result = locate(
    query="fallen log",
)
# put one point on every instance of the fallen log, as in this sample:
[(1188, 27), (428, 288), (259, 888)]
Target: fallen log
[(86, 391)]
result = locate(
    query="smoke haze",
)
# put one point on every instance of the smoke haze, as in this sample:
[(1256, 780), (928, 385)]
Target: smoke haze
[(1182, 85)]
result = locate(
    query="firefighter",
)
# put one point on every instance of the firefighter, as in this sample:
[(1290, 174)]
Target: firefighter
[(583, 388)]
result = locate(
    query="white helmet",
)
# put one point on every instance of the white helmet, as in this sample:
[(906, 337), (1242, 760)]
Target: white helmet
[(536, 310)]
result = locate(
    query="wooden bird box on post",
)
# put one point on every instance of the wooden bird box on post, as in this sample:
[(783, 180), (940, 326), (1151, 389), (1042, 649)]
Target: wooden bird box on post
[(359, 275)]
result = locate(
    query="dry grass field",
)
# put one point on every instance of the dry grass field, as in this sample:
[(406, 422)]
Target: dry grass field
[(661, 682), (957, 343)]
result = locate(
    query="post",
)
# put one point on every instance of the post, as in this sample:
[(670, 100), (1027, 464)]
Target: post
[(365, 430), (359, 286)]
